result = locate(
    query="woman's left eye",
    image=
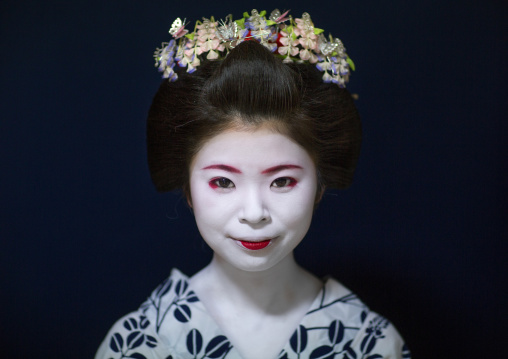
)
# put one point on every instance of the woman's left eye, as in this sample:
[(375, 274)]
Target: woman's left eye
[(221, 183), (284, 182)]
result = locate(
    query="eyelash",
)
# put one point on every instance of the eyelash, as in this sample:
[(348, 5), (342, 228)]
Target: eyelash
[(289, 182), (223, 183), (215, 183)]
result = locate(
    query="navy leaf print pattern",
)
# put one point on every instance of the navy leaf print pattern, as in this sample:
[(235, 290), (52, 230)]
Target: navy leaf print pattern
[(182, 313), (151, 341), (143, 322), (181, 286), (336, 332), (116, 343), (322, 352), (374, 332), (363, 316), (164, 287), (298, 340), (349, 352), (194, 342), (130, 324), (368, 344), (135, 339), (192, 297), (217, 347)]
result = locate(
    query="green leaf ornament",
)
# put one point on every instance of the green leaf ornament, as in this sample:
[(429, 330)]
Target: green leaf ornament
[(351, 63), (241, 23)]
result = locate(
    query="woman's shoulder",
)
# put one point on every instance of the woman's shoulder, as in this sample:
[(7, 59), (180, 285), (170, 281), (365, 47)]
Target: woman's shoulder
[(131, 336), (138, 334), (353, 329), (378, 338)]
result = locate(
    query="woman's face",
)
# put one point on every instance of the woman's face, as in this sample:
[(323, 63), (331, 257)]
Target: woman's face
[(253, 196)]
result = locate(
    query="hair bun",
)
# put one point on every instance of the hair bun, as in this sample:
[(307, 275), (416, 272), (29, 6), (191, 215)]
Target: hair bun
[(254, 82)]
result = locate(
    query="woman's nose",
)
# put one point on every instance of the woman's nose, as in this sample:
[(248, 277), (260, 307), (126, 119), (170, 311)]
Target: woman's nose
[(253, 209)]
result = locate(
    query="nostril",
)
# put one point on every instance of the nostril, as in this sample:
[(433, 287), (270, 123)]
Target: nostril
[(253, 220), (257, 216)]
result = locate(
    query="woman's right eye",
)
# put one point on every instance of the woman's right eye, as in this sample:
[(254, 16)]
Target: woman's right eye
[(221, 182)]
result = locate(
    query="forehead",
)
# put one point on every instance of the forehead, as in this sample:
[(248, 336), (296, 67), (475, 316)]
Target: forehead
[(262, 147)]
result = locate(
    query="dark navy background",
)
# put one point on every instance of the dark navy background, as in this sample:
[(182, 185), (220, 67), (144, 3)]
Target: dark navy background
[(420, 236)]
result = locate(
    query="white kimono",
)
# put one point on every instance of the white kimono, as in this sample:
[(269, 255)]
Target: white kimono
[(173, 324)]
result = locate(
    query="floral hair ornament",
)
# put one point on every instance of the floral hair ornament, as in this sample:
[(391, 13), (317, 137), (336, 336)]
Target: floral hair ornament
[(293, 40)]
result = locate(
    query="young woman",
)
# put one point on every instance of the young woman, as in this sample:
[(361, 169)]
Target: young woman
[(253, 142)]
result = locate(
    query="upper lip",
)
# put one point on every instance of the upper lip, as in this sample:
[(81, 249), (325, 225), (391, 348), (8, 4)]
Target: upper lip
[(253, 239)]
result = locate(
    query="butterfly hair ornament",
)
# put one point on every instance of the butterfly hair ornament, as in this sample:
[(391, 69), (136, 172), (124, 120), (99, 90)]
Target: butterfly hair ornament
[(291, 39)]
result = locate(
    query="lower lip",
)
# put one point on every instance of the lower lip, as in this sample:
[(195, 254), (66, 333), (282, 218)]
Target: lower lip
[(255, 246)]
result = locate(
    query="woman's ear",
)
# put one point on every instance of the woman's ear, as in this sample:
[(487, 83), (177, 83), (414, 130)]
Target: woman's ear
[(186, 192), (319, 194)]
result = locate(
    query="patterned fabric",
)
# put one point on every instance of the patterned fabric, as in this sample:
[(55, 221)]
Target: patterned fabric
[(173, 324)]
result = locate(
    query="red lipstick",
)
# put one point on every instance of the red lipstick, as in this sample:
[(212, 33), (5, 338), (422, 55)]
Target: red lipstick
[(255, 246)]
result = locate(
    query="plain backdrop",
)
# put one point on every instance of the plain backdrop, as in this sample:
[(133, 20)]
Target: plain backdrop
[(420, 236)]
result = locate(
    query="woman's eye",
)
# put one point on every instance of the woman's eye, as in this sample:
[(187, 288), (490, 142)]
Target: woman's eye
[(221, 182), (284, 182)]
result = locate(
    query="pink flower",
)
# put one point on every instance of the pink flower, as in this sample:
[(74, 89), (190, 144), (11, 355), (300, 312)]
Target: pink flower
[(207, 39), (212, 55), (308, 43), (307, 55)]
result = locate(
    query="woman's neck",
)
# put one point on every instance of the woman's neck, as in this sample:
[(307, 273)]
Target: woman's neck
[(256, 307), (272, 290)]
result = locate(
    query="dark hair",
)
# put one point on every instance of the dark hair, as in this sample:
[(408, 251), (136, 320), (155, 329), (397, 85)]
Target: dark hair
[(248, 88)]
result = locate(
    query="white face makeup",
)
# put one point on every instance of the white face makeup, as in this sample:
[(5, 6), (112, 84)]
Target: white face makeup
[(253, 196)]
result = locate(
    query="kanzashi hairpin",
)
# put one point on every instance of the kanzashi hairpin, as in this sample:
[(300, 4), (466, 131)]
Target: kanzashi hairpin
[(292, 39)]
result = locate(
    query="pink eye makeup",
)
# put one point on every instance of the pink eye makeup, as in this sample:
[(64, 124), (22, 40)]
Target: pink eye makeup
[(279, 184), (284, 182), (221, 183)]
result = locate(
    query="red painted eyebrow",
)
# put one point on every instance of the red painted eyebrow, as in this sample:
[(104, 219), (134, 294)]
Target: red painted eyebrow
[(279, 168), (224, 168)]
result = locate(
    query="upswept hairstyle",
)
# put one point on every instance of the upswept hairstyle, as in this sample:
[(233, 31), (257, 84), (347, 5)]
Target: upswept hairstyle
[(249, 88)]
